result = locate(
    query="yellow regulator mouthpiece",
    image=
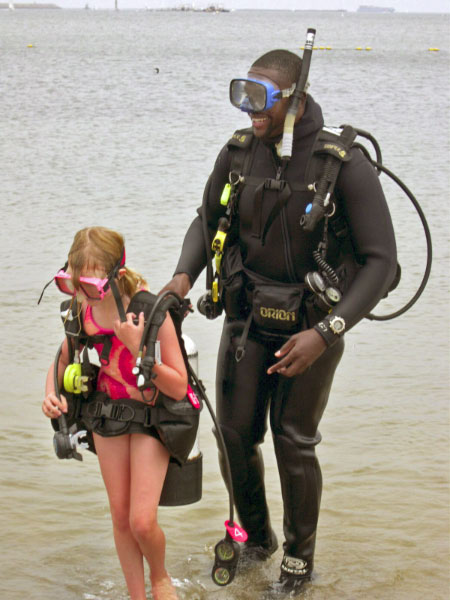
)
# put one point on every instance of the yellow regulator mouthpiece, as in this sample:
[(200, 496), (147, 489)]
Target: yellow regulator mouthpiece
[(74, 381)]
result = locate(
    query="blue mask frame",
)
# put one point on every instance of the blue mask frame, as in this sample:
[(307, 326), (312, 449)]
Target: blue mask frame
[(255, 95)]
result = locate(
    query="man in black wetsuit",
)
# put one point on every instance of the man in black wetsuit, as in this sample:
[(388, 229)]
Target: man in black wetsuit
[(286, 372)]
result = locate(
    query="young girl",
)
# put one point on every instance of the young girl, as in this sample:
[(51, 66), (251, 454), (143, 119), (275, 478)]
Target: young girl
[(133, 465)]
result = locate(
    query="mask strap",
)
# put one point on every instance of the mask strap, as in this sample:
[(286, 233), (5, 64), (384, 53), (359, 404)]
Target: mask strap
[(51, 281), (118, 299), (115, 289), (122, 259), (45, 287)]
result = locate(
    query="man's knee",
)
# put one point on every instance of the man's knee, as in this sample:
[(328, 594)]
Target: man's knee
[(240, 448), (295, 448)]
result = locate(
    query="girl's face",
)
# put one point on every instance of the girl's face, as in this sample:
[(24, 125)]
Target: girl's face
[(93, 284)]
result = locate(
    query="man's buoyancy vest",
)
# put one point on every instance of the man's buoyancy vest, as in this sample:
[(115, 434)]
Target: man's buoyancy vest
[(175, 421), (271, 305), (329, 143), (278, 304), (331, 148)]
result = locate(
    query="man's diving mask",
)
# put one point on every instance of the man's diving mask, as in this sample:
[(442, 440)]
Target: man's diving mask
[(254, 95)]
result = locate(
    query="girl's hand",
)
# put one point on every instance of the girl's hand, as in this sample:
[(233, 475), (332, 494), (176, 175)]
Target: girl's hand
[(129, 333), (52, 407)]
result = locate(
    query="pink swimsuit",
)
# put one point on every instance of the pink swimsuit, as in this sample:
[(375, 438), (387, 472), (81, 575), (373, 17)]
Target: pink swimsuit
[(115, 378)]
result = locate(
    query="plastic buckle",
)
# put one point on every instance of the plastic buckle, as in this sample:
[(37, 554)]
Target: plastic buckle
[(95, 409), (117, 412), (113, 411), (274, 184)]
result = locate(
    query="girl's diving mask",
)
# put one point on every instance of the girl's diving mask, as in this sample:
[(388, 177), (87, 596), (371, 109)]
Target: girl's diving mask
[(254, 95), (94, 288)]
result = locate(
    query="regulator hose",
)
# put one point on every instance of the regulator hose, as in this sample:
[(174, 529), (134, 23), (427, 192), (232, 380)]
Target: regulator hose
[(381, 168), (426, 230)]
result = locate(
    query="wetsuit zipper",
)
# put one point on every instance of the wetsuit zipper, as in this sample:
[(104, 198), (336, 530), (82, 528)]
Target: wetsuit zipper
[(284, 229)]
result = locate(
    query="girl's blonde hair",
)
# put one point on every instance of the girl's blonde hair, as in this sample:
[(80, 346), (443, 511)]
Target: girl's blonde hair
[(102, 248)]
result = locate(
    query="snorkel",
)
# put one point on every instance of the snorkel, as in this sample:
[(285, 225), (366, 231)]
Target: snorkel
[(300, 89)]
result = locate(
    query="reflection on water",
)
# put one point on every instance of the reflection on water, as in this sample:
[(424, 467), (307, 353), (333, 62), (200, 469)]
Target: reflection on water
[(91, 135)]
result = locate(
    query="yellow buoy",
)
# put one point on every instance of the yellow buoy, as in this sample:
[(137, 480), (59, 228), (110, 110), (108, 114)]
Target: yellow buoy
[(358, 48), (433, 49), (30, 46), (368, 48), (328, 48)]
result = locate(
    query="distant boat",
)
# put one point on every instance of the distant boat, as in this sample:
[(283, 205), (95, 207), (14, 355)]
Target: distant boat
[(25, 5), (367, 8), (214, 9)]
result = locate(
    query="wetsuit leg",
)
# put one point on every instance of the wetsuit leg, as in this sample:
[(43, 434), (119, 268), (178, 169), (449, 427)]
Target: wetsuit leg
[(242, 398), (296, 409)]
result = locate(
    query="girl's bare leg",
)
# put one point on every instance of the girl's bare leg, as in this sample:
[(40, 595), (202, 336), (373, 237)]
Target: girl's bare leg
[(114, 459), (149, 461)]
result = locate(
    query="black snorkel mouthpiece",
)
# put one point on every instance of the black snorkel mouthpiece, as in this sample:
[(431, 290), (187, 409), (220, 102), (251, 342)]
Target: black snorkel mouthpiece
[(300, 89)]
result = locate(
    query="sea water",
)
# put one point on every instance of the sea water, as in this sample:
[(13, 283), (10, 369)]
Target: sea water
[(115, 118)]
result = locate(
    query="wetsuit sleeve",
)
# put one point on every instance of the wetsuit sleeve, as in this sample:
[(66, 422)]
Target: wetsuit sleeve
[(193, 255), (359, 192)]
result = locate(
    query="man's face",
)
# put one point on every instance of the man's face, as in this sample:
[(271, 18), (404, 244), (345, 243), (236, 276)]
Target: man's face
[(269, 123)]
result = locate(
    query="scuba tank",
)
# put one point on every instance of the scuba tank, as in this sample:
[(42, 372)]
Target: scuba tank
[(183, 483)]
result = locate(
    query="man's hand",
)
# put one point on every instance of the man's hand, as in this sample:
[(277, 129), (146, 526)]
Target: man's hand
[(298, 353), (180, 284)]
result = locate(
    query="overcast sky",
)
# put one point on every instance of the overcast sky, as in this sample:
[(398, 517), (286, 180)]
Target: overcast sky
[(351, 5)]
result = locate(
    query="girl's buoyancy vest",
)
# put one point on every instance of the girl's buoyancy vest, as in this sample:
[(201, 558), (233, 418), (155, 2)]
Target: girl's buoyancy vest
[(175, 421)]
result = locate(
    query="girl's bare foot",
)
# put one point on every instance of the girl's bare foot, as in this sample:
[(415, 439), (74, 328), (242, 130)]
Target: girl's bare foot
[(164, 590)]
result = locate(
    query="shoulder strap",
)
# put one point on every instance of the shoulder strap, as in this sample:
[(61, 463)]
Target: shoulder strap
[(331, 148), (241, 146), (241, 138), (330, 142), (72, 319), (155, 309)]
